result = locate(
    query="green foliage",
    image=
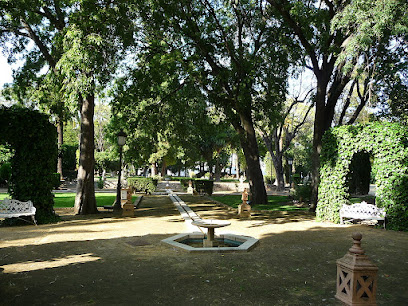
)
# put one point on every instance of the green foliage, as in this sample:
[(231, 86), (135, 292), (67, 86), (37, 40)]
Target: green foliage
[(275, 203), (270, 170), (56, 180), (269, 180), (302, 193), (296, 178), (5, 154), (33, 164), (101, 182), (106, 160), (5, 173), (69, 161), (379, 29), (388, 145), (369, 22), (144, 184)]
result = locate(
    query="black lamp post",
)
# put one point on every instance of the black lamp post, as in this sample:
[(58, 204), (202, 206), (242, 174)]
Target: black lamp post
[(290, 162), (121, 142)]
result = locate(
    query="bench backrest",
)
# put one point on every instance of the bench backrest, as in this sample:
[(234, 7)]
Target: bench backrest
[(361, 210), (15, 206)]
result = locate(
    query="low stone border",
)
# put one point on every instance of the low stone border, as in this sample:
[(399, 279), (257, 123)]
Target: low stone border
[(137, 202), (248, 243)]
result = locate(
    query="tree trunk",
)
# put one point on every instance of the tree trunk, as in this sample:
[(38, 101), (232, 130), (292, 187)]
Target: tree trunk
[(277, 163), (85, 202), (320, 124), (251, 152), (217, 170), (153, 169), (163, 168), (60, 131), (325, 108)]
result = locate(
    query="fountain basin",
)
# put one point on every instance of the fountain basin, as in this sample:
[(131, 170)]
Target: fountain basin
[(193, 242)]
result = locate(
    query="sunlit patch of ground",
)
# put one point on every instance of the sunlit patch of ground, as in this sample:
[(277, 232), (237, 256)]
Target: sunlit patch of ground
[(106, 259)]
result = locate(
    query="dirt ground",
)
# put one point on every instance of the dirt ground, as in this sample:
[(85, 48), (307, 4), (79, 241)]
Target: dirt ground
[(106, 259)]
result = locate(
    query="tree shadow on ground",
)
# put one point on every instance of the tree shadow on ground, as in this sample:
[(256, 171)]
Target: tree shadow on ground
[(292, 265), (152, 207), (207, 208), (287, 268)]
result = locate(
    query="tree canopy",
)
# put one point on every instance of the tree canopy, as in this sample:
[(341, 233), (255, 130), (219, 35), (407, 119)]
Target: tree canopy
[(180, 74)]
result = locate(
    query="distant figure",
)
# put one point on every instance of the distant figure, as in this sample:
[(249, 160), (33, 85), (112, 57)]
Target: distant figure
[(190, 189)]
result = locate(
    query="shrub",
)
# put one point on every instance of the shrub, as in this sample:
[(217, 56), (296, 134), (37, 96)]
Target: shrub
[(269, 179), (296, 178), (303, 193), (204, 186), (34, 141), (101, 182), (69, 161), (5, 173), (56, 180), (145, 184), (70, 175)]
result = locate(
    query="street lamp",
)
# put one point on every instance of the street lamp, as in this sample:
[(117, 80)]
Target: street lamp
[(290, 162), (121, 142)]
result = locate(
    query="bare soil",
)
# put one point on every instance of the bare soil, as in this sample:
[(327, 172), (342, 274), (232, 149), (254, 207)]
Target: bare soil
[(106, 259)]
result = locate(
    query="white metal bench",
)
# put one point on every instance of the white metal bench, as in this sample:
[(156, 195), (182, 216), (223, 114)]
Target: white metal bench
[(362, 211), (16, 209)]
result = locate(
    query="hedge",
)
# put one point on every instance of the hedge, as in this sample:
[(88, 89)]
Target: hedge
[(205, 186), (387, 143), (145, 184), (34, 141)]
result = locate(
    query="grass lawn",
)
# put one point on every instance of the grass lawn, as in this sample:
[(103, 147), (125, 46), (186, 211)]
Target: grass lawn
[(275, 203), (68, 199)]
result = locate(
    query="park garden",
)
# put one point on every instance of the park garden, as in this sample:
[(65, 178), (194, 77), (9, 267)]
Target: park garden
[(276, 119)]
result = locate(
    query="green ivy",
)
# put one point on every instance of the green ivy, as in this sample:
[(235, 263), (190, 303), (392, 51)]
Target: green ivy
[(34, 140), (387, 143)]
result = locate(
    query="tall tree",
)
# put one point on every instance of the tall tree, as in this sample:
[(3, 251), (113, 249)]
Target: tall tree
[(159, 109), (82, 41), (309, 24), (279, 134), (379, 29), (22, 22), (33, 89), (229, 50)]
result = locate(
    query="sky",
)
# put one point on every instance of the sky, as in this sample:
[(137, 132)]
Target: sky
[(5, 71)]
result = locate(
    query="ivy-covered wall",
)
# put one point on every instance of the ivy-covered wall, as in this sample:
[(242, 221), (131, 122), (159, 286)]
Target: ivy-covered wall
[(33, 140), (387, 143)]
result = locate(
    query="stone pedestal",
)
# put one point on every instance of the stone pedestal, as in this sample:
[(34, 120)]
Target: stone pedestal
[(126, 196), (128, 210), (244, 210), (190, 189), (356, 276), (209, 242), (210, 225)]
